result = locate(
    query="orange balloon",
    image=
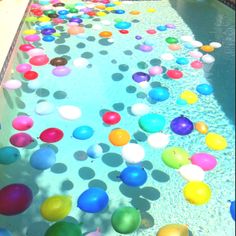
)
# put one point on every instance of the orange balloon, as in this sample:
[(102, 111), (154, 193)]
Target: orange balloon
[(207, 48), (174, 47), (201, 127), (74, 30), (105, 34), (173, 230), (101, 7), (134, 12), (119, 137)]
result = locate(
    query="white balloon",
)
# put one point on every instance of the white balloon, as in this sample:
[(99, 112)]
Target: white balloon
[(44, 108), (167, 57), (133, 153), (106, 22), (69, 112), (215, 44), (196, 43), (111, 40), (192, 172), (208, 59), (140, 109), (12, 84), (144, 84), (35, 52), (34, 84), (80, 62), (196, 54), (187, 38), (158, 140), (97, 27)]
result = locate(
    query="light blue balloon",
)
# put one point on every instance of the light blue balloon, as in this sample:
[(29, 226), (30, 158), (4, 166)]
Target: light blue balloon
[(95, 151), (204, 89), (152, 123), (123, 25), (83, 132), (4, 232), (149, 42), (182, 61), (48, 38), (162, 28), (188, 46), (43, 158), (9, 155), (181, 102), (159, 94)]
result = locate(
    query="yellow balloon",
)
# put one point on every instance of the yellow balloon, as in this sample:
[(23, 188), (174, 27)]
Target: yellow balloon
[(109, 9), (151, 10), (189, 96), (29, 32), (118, 3), (56, 207), (197, 192), (216, 142), (173, 230), (44, 19), (101, 13)]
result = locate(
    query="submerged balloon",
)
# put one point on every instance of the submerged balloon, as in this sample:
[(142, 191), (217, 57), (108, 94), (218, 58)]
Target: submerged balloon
[(173, 230), (133, 153), (21, 140), (51, 135), (8, 155), (22, 123), (182, 125)]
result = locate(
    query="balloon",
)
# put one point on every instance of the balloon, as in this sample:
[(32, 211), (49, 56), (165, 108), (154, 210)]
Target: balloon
[(22, 123), (140, 77), (32, 38), (69, 112), (26, 47), (189, 96), (126, 220), (167, 57), (152, 123), (48, 31), (43, 158), (83, 132), (15, 199), (172, 40), (158, 140), (170, 26), (215, 44), (80, 62), (105, 34), (195, 54), (30, 75), (208, 59), (96, 233), (12, 84), (187, 38), (64, 228), (93, 200), (133, 153), (95, 151), (204, 89), (134, 176), (140, 109), (40, 60), (56, 207), (192, 172), (175, 157), (182, 61), (196, 43), (151, 31), (161, 28), (159, 94), (111, 118), (75, 30), (175, 47), (119, 137), (197, 192), (51, 135), (5, 232), (123, 25), (174, 74), (216, 142), (155, 70), (21, 140), (44, 108), (204, 160), (173, 230), (22, 68), (201, 127), (35, 52), (232, 209), (145, 48), (8, 155), (197, 64), (58, 61), (76, 20), (61, 71), (207, 48), (182, 125)]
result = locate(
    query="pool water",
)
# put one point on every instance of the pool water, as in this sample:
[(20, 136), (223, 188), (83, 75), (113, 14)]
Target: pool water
[(104, 83)]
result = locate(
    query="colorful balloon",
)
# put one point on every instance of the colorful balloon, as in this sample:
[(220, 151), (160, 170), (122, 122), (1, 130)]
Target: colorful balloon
[(15, 199), (159, 94), (58, 61), (111, 118), (201, 127), (133, 153), (204, 160), (182, 125), (155, 70), (172, 40), (9, 155), (119, 137), (51, 135), (232, 210), (21, 140), (26, 47), (69, 112), (152, 123), (95, 151), (31, 75), (12, 84), (140, 109), (140, 77), (80, 62), (83, 132), (174, 74), (192, 172), (22, 123), (61, 71), (216, 142), (35, 52), (173, 230), (197, 64), (204, 89), (189, 96), (40, 60), (23, 68)]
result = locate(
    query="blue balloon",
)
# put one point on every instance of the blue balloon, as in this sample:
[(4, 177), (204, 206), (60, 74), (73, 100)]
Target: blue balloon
[(4, 232), (204, 89), (119, 11), (95, 151), (63, 12), (182, 61), (110, 4), (162, 28), (232, 209), (123, 25), (83, 132), (48, 38), (133, 176), (63, 17), (152, 123), (93, 200), (181, 102), (182, 125), (9, 155), (43, 158), (159, 94), (188, 46)]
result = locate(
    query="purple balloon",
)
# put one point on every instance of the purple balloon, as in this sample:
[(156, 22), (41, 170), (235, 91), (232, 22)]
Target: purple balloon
[(76, 20), (145, 48), (170, 26), (138, 37), (182, 125), (140, 77), (21, 140), (61, 71), (48, 31)]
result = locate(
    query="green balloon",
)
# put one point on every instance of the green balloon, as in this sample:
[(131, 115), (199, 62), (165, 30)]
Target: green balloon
[(31, 19), (117, 20), (64, 229), (175, 157), (48, 12), (126, 220), (69, 6), (73, 10), (9, 155), (172, 40)]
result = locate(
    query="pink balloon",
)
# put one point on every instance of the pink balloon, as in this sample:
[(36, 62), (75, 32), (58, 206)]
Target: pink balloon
[(197, 64), (204, 160), (32, 38), (61, 71), (195, 54), (51, 135), (12, 84), (26, 47), (22, 123), (35, 52), (40, 60), (22, 68), (21, 140), (155, 70)]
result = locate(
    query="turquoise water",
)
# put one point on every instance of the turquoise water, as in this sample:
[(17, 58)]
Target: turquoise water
[(106, 84)]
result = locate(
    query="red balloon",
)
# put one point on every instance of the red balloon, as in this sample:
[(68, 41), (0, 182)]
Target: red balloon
[(37, 12), (31, 75), (26, 47), (51, 135), (91, 13), (15, 199), (197, 64), (111, 118), (39, 60), (174, 74), (21, 140), (124, 31)]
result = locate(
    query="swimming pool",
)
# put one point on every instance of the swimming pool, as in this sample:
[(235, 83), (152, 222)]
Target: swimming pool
[(100, 80)]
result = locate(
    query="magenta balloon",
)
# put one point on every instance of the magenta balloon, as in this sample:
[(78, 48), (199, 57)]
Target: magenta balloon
[(21, 140), (155, 70), (204, 160), (15, 199), (22, 123), (32, 38), (61, 71), (23, 68), (39, 60)]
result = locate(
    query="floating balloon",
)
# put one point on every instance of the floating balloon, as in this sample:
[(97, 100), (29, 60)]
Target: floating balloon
[(192, 172), (64, 228), (32, 38), (44, 108), (182, 61), (26, 47), (159, 94), (161, 28), (216, 142), (167, 57), (140, 77), (182, 125), (105, 34), (58, 61), (155, 70), (30, 75), (23, 68), (175, 157), (15, 199), (232, 209), (83, 132), (5, 232), (22, 123), (111, 118), (126, 220), (133, 153), (197, 64), (196, 44), (145, 48), (119, 137), (95, 233), (69, 112), (215, 44), (43, 158), (152, 123), (204, 160), (151, 31), (93, 200), (21, 140), (8, 155), (204, 89), (172, 40), (176, 47), (207, 48), (134, 176), (140, 109), (80, 62), (208, 59), (12, 84), (189, 96), (56, 207), (75, 30), (173, 230), (195, 54), (174, 74), (201, 127), (35, 52), (197, 192), (51, 135), (158, 140), (95, 151), (61, 71), (123, 25), (40, 60)]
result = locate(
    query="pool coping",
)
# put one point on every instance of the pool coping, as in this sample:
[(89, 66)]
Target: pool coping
[(229, 3)]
